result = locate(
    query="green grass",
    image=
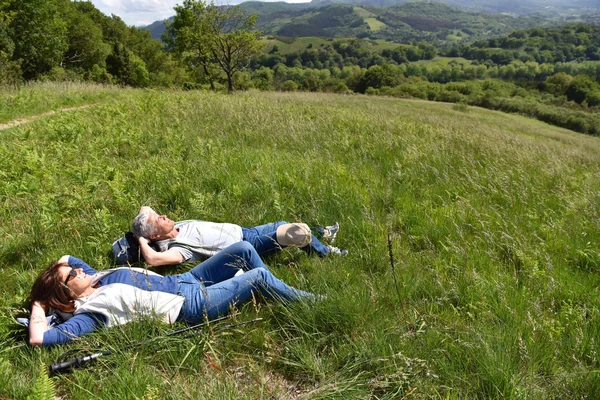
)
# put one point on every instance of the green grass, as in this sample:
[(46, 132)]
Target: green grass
[(375, 24), (493, 220)]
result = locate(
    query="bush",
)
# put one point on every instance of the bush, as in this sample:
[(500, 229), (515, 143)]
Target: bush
[(242, 81), (289, 86), (371, 91), (461, 106)]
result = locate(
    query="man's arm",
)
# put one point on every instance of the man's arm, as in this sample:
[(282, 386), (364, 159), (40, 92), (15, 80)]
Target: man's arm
[(155, 258)]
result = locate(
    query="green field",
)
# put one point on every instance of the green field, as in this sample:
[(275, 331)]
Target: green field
[(493, 221), (445, 61), (292, 45), (375, 24)]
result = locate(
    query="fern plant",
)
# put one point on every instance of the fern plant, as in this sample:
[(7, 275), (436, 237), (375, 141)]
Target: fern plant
[(43, 387)]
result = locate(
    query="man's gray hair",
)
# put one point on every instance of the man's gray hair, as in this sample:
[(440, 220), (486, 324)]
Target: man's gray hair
[(141, 226)]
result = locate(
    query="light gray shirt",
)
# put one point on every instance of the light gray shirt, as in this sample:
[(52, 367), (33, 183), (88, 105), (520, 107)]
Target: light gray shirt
[(211, 236)]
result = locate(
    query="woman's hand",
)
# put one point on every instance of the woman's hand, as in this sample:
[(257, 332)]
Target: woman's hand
[(64, 259)]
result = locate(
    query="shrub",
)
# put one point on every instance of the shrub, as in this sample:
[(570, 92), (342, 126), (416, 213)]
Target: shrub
[(289, 86), (461, 106), (371, 91)]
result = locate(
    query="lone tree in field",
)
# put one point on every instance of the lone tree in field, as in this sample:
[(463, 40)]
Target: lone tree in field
[(213, 38)]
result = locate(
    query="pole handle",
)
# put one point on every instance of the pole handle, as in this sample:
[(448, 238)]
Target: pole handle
[(75, 362)]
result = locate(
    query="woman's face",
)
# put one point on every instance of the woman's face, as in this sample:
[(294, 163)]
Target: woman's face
[(80, 284)]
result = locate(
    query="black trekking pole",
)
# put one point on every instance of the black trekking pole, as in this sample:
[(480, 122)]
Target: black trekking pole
[(65, 366)]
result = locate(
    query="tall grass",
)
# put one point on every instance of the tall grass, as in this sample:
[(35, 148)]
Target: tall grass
[(493, 218), (38, 97)]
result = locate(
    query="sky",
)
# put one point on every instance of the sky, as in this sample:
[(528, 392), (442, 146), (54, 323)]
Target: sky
[(145, 12)]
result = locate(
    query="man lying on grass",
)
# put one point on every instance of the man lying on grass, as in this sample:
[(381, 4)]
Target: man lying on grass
[(196, 240), (116, 296)]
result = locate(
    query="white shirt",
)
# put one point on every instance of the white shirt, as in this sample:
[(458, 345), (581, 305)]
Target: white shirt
[(211, 236)]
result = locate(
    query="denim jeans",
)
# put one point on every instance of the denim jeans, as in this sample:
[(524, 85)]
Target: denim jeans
[(264, 239), (211, 288)]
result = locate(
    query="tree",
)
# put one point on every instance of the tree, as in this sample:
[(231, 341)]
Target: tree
[(209, 36), (9, 71), (86, 47), (581, 87), (39, 34)]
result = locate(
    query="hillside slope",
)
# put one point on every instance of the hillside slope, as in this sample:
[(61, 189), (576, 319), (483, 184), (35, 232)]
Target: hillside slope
[(492, 221)]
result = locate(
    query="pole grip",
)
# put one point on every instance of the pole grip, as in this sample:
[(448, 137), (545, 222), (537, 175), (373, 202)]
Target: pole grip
[(75, 362)]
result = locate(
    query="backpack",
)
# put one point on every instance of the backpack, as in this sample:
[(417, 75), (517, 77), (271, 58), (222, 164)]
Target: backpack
[(126, 250)]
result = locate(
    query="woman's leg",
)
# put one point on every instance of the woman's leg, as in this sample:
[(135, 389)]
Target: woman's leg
[(216, 298), (219, 297), (225, 264)]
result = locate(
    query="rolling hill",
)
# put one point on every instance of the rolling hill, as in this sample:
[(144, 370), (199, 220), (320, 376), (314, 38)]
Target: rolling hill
[(419, 21)]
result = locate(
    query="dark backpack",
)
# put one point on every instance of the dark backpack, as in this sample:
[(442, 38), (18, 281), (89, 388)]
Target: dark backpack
[(127, 250)]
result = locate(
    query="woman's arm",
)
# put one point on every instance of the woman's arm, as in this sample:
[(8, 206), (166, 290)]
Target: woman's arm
[(75, 262), (37, 325), (79, 325)]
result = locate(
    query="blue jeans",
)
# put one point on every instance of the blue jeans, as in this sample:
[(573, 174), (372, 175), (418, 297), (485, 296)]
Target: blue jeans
[(264, 239), (211, 289)]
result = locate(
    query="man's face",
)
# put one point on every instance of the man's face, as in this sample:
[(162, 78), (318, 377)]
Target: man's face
[(162, 224)]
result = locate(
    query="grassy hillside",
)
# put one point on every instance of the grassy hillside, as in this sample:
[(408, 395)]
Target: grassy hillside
[(493, 221)]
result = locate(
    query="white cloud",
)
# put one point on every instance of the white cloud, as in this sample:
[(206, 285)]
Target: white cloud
[(138, 12), (148, 5)]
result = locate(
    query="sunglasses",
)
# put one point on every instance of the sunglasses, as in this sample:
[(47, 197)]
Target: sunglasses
[(72, 274)]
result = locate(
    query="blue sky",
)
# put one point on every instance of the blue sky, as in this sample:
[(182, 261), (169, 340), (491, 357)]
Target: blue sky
[(144, 12)]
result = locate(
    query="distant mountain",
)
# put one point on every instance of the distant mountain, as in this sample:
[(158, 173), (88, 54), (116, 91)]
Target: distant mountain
[(157, 28), (442, 23)]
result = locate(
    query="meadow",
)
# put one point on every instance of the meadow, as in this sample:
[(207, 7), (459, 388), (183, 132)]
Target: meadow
[(286, 45), (492, 219)]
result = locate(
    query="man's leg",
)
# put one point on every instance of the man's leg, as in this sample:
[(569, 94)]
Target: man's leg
[(264, 237), (316, 247), (266, 240)]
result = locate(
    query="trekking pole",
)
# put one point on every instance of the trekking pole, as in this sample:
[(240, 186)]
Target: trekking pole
[(79, 361)]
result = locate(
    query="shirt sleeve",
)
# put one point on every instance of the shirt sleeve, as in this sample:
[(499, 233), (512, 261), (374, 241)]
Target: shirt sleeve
[(77, 326), (75, 262), (187, 254)]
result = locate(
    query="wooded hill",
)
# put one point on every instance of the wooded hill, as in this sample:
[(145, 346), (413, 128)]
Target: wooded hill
[(545, 8), (434, 22)]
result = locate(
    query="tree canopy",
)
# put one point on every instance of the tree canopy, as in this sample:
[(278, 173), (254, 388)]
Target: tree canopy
[(212, 37)]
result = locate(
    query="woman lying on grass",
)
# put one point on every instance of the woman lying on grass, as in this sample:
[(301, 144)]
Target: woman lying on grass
[(116, 296)]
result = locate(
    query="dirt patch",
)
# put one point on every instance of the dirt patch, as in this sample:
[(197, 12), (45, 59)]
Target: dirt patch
[(17, 122)]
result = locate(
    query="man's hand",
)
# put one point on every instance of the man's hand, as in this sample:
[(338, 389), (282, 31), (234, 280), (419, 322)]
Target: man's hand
[(155, 258)]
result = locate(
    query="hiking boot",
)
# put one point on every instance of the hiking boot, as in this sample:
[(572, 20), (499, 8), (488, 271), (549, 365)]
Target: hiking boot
[(331, 231), (337, 250)]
